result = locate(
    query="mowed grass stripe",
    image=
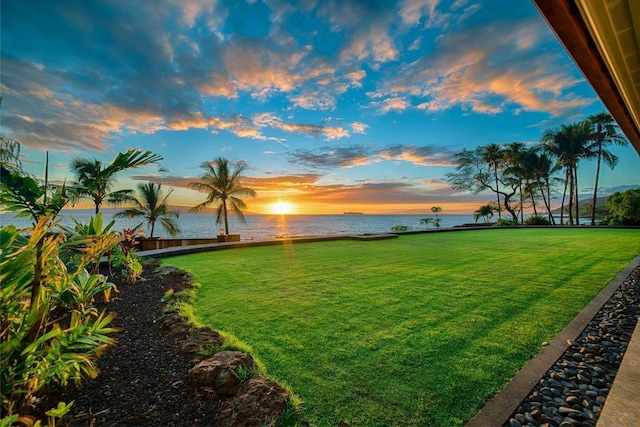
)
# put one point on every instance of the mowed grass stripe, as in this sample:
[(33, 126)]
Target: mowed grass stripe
[(419, 330)]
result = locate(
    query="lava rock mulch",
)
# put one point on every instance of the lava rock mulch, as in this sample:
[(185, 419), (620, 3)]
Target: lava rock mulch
[(574, 390), (143, 380)]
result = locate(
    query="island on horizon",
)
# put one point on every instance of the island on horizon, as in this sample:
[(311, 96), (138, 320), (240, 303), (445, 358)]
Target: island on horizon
[(353, 213)]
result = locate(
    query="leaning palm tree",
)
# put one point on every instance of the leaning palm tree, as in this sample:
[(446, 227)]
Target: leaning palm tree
[(152, 206), (604, 134), (95, 180), (223, 187)]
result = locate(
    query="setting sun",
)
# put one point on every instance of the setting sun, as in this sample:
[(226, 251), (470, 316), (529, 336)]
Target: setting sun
[(281, 208)]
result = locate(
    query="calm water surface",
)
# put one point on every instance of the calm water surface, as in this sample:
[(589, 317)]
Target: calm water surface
[(263, 227)]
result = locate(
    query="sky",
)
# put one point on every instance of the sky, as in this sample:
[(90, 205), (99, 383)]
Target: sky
[(332, 105)]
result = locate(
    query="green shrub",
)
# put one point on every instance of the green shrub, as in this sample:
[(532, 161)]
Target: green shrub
[(623, 208), (504, 222), (536, 220), (400, 228)]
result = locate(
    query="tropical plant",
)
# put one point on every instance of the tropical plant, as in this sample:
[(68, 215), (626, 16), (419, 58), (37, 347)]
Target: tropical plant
[(152, 206), (91, 240), (10, 154), (96, 181), (426, 221), (506, 222), (485, 212), (36, 350), (397, 228), (569, 144), (623, 208), (604, 134), (23, 194), (224, 188), (124, 255), (536, 220)]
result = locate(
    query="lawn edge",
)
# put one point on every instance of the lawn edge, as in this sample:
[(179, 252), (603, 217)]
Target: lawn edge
[(498, 410)]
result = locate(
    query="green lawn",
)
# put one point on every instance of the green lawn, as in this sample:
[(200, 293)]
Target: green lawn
[(420, 330)]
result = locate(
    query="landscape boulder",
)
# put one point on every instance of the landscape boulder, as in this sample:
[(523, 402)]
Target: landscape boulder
[(175, 324), (219, 371), (258, 403), (200, 339)]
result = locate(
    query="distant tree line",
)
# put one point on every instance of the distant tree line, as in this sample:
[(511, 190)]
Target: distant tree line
[(524, 176)]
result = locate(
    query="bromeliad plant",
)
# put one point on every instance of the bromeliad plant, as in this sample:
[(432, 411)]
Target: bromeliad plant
[(38, 347)]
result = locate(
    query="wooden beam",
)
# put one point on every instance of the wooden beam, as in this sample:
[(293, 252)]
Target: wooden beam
[(567, 23)]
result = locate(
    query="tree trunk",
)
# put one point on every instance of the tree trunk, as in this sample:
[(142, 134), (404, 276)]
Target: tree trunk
[(570, 178), (575, 184), (521, 203), (564, 195), (595, 187), (544, 200), (513, 213), (495, 173), (226, 217), (551, 217)]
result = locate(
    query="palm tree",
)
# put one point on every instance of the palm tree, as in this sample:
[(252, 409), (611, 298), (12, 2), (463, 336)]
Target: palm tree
[(542, 171), (96, 181), (484, 211), (435, 210), (493, 154), (515, 155), (152, 206), (223, 186), (569, 144), (605, 133)]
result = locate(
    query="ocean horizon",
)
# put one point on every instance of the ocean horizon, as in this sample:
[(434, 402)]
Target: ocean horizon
[(262, 226)]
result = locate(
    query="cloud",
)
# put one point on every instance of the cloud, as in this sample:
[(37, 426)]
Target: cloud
[(422, 156), (487, 69), (358, 127), (390, 104), (359, 155), (272, 121), (332, 157)]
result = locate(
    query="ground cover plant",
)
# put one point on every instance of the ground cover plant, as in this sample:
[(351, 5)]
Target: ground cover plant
[(419, 330)]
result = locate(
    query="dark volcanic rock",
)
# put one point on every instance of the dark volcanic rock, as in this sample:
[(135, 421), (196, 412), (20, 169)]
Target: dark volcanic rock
[(219, 371)]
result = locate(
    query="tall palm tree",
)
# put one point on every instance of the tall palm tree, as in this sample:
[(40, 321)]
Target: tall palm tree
[(493, 154), (543, 169), (604, 134), (152, 206), (223, 186), (96, 180), (515, 155), (569, 144)]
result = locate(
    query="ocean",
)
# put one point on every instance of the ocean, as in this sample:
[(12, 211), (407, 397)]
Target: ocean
[(263, 227)]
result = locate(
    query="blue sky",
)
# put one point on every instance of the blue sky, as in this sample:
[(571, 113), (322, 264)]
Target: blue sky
[(333, 105)]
